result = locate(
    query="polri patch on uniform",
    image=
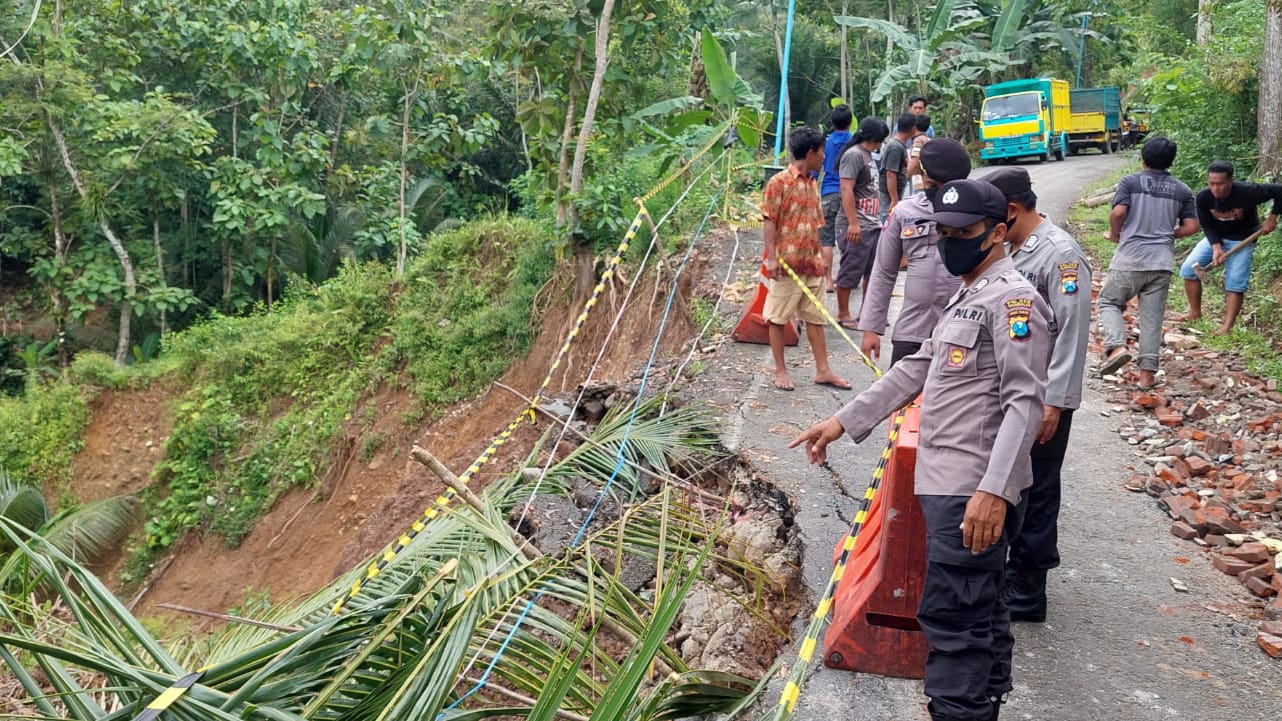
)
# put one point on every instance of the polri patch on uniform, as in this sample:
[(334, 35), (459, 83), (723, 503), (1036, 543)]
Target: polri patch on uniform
[(1068, 278), (956, 356), (1018, 311)]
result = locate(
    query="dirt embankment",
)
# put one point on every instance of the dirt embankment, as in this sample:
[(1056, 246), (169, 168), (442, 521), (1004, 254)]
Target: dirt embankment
[(371, 492)]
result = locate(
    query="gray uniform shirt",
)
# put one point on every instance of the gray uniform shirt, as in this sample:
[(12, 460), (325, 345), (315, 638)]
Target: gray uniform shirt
[(1157, 202), (983, 372), (928, 285), (1056, 266)]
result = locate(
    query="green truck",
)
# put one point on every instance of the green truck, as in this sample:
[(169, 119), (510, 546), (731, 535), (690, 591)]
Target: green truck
[(1095, 120), (1023, 119)]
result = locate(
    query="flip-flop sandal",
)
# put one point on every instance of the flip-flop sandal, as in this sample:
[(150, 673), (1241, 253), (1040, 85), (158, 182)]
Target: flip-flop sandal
[(1114, 363), (849, 324)]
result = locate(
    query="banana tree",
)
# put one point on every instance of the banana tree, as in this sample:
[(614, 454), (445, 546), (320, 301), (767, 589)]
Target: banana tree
[(467, 623), (731, 105)]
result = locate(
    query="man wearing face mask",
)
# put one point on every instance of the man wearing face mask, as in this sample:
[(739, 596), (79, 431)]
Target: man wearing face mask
[(1055, 265), (983, 373), (910, 233)]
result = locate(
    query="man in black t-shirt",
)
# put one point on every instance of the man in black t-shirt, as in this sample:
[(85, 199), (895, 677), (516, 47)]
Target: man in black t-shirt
[(1228, 212)]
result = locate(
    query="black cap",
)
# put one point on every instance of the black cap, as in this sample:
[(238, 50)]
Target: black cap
[(965, 202), (1011, 181), (945, 159)]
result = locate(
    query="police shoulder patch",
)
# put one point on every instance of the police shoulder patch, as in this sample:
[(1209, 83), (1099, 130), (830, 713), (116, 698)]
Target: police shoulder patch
[(1018, 312), (1068, 278)]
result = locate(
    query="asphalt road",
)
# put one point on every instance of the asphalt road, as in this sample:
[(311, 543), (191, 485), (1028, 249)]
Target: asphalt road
[(1120, 643)]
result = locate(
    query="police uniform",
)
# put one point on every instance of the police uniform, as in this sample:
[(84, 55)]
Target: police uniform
[(1057, 267), (909, 233), (982, 373)]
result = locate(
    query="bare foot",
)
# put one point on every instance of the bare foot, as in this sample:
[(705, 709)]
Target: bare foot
[(1186, 318), (1148, 379), (1222, 330), (783, 381), (832, 379)]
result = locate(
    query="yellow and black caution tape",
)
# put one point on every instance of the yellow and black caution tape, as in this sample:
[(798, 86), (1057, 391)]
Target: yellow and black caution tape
[(446, 497), (169, 696), (828, 317), (797, 677)]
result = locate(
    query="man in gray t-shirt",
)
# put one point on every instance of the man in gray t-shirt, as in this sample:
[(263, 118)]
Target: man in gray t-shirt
[(894, 164), (1150, 210), (858, 222)]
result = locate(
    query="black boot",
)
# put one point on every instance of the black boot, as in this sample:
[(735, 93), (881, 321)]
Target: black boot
[(1025, 594)]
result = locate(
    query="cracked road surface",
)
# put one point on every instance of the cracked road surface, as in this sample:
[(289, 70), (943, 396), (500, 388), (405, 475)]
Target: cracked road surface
[(1120, 643)]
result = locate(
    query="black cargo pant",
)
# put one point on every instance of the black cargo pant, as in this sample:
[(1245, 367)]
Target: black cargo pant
[(962, 614), (1036, 548), (902, 349)]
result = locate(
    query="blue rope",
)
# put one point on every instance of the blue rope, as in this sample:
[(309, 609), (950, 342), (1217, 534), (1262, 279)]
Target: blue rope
[(620, 462)]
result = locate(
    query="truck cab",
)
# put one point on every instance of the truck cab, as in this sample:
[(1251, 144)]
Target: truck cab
[(1024, 118)]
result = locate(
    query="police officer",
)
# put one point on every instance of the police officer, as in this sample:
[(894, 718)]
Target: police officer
[(909, 233), (1056, 266), (983, 372)]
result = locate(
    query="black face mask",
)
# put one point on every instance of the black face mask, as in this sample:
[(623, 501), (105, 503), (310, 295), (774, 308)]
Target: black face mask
[(962, 255)]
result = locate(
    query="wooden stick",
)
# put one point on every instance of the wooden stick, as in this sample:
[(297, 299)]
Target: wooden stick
[(225, 617), (422, 455), (567, 715)]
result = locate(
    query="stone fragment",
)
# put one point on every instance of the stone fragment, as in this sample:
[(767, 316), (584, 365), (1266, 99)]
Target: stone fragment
[(1218, 521), (1237, 539), (1228, 565), (1198, 466), (1155, 486), (1260, 587), (1180, 529), (1214, 539), (1171, 419), (1149, 401), (1257, 506), (1263, 570), (1198, 411), (1179, 585), (1253, 552), (1168, 474), (1273, 628)]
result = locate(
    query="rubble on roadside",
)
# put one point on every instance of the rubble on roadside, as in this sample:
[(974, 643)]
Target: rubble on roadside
[(1210, 439)]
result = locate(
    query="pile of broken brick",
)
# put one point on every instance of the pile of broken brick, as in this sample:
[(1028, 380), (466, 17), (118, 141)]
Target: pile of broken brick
[(1212, 438)]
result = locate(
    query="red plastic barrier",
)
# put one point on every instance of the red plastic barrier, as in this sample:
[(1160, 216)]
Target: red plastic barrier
[(752, 327), (874, 613)]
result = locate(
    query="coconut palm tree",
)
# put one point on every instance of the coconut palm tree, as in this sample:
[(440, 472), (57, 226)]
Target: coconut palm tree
[(468, 622)]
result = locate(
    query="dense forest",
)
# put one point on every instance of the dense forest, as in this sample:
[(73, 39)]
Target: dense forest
[(160, 163), (271, 209)]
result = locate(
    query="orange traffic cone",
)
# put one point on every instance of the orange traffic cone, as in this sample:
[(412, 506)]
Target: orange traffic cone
[(874, 612), (752, 327)]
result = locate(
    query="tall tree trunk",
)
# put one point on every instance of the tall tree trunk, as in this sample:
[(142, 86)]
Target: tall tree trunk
[(56, 297), (402, 251), (131, 284), (845, 55), (160, 264), (584, 258), (1267, 119), (1204, 21), (567, 133)]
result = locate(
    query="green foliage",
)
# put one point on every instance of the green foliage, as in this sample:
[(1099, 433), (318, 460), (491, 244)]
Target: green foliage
[(99, 370), (467, 309), (40, 431)]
